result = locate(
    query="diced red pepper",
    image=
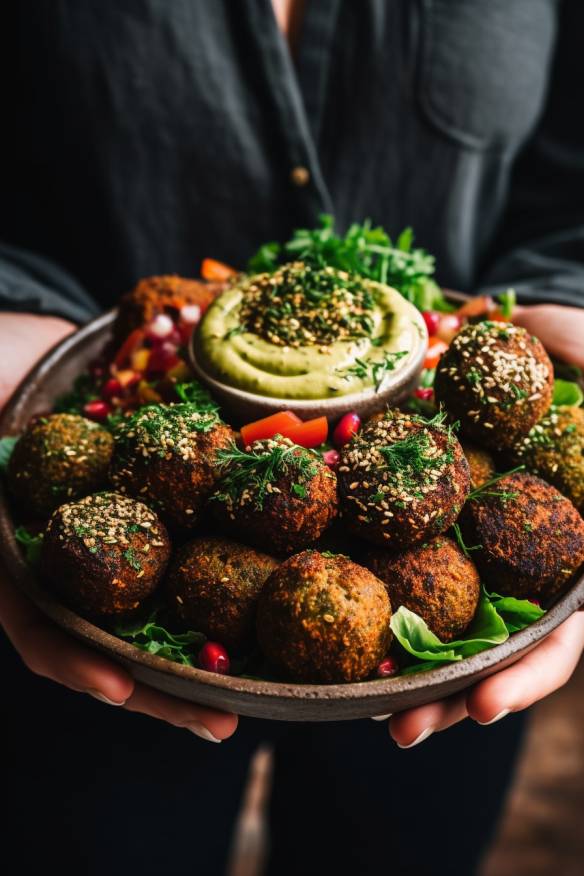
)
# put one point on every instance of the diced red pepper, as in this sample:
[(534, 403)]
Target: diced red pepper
[(129, 346), (435, 349), (269, 426), (310, 434), (211, 269)]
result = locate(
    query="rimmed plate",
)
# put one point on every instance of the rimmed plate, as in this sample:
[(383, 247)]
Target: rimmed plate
[(52, 376)]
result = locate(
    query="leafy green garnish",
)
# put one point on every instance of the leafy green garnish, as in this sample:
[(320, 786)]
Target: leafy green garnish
[(495, 619), (31, 544), (155, 639), (253, 472), (485, 489), (364, 250), (7, 446), (466, 549), (567, 394), (196, 394), (507, 301)]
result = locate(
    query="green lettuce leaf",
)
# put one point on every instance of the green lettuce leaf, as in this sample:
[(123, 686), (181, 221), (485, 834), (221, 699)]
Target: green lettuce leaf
[(567, 394), (516, 613), (31, 544), (155, 639)]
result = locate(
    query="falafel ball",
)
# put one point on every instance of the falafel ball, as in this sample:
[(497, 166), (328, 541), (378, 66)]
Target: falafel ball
[(481, 464), (104, 554), (554, 450), (497, 379), (531, 537), (58, 458), (213, 585), (323, 619), (402, 480), (168, 294), (435, 580), (275, 495), (164, 455)]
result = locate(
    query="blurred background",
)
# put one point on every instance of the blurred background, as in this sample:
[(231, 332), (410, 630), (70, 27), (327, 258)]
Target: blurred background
[(541, 832)]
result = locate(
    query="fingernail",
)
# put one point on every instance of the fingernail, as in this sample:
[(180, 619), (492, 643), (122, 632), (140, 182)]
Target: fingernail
[(381, 717), (203, 732), (496, 718), (99, 696), (423, 735)]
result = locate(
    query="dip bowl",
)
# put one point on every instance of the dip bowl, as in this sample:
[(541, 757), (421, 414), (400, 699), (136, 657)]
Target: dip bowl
[(243, 406), (284, 701)]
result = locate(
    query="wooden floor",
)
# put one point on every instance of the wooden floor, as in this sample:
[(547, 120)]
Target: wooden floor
[(542, 831)]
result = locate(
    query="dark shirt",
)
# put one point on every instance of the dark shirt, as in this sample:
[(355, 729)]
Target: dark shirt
[(141, 135)]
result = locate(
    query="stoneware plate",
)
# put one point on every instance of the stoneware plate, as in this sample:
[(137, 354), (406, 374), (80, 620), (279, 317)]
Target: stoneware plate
[(278, 701)]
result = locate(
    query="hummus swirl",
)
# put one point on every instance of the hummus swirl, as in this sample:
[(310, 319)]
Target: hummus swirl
[(243, 359)]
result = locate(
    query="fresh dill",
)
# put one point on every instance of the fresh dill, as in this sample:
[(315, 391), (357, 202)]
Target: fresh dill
[(502, 495), (466, 549), (249, 475), (376, 369)]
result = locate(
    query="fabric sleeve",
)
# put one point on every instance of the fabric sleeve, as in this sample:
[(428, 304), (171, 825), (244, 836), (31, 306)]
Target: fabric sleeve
[(33, 284), (540, 248)]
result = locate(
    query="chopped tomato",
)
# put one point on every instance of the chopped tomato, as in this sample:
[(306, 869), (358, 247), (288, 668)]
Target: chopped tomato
[(312, 433), (269, 426), (211, 269), (435, 349), (129, 346)]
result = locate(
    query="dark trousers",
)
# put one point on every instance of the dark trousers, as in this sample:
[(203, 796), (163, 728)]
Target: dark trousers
[(90, 789)]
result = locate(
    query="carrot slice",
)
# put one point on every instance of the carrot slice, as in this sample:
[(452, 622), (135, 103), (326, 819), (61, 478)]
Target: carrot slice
[(312, 433), (435, 349), (269, 426), (211, 269), (129, 346), (479, 306)]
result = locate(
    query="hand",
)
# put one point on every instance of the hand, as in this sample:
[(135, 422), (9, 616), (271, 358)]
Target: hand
[(560, 329), (539, 673), (550, 664), (24, 338), (45, 649)]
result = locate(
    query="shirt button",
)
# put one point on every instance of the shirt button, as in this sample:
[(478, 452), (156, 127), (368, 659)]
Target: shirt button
[(300, 176)]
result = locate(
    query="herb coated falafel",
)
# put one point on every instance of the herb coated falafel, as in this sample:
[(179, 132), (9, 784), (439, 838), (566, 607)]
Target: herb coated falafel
[(213, 585), (323, 619), (274, 494), (104, 554), (531, 537), (402, 480), (164, 455), (435, 580), (497, 379), (58, 458), (554, 450)]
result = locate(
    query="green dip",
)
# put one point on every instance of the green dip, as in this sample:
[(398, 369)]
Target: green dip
[(306, 333)]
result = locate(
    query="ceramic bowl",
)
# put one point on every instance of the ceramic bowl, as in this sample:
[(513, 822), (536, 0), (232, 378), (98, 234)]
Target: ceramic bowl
[(262, 699)]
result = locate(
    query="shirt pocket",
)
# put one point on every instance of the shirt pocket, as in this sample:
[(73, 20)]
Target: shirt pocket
[(483, 67)]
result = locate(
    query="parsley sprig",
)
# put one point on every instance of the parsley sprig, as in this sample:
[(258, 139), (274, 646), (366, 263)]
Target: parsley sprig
[(364, 250)]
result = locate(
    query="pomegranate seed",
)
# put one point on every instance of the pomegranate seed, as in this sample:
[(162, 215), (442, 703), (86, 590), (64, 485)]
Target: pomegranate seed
[(424, 392), (536, 602), (161, 327), (97, 410), (448, 325), (432, 320), (162, 358), (388, 667), (331, 458), (112, 388), (190, 314), (346, 428), (214, 658)]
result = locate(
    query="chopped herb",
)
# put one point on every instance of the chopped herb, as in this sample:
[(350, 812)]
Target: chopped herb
[(464, 548), (485, 489), (31, 544), (194, 393), (507, 301), (7, 446), (299, 490), (150, 636), (131, 558)]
